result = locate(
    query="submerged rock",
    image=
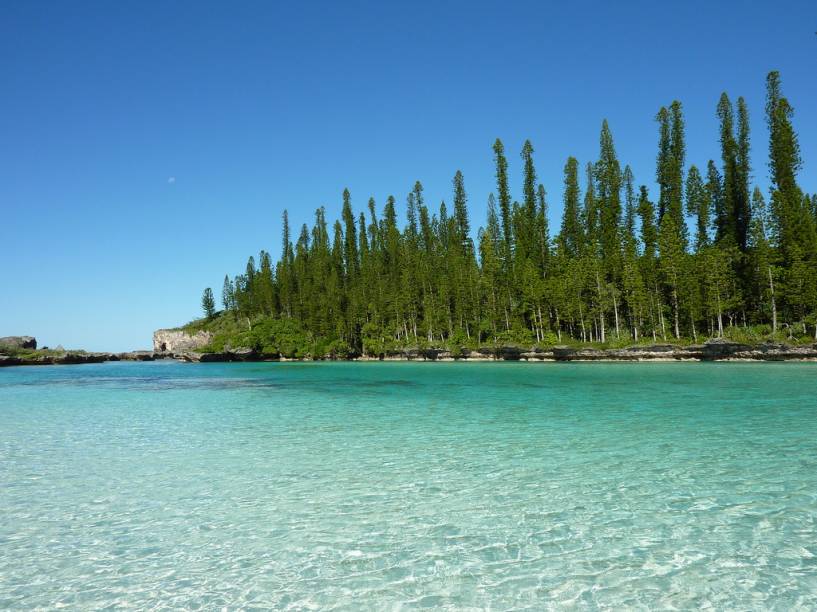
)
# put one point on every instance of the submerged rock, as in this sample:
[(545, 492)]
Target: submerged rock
[(138, 356)]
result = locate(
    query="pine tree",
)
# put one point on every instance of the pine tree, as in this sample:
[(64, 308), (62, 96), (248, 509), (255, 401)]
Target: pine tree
[(524, 228), (742, 207), (228, 294), (608, 187), (350, 253), (372, 286), (590, 211), (792, 226), (542, 229), (463, 227), (762, 261), (504, 197), (649, 260), (663, 170), (284, 273), (630, 203), (571, 237), (714, 190), (698, 205), (208, 303), (675, 170)]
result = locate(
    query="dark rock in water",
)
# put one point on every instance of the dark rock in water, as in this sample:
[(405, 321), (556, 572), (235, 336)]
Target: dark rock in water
[(537, 354), (720, 349), (75, 358), (243, 354), (136, 356), (237, 354), (509, 353), (19, 342)]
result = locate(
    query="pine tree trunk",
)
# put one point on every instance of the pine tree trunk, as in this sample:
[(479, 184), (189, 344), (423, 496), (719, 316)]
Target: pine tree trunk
[(581, 322), (720, 314), (601, 308), (774, 305), (675, 312), (663, 326), (615, 311)]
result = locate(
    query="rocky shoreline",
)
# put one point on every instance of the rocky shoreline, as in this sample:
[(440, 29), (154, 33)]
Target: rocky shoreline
[(714, 350), (76, 357), (710, 351)]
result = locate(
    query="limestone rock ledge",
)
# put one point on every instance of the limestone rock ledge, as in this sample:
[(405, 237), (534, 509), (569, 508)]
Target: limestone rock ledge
[(178, 341), (19, 342), (77, 357)]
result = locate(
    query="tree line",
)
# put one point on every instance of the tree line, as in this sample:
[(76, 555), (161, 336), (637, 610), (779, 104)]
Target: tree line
[(707, 253)]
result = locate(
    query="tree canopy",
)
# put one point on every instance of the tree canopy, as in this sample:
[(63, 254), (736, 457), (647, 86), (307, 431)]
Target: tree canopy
[(624, 265)]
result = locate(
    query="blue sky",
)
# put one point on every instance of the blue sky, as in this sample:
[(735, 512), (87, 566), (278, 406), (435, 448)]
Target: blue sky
[(146, 148)]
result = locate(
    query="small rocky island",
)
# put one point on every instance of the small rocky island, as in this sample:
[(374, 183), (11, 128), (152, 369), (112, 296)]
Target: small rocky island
[(22, 350)]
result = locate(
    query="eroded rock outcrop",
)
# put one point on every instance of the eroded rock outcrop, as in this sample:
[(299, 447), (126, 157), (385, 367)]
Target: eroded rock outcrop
[(179, 341), (19, 342)]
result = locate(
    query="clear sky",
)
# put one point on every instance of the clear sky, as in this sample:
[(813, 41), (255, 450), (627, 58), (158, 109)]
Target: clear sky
[(148, 148)]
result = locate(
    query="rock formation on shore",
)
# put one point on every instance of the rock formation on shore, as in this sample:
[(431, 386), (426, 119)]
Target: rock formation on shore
[(715, 350), (178, 344), (19, 342), (179, 341)]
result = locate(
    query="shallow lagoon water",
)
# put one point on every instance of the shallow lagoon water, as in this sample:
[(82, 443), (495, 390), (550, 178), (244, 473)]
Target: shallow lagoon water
[(409, 485)]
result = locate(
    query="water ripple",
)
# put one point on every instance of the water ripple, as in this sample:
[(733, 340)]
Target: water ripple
[(401, 486)]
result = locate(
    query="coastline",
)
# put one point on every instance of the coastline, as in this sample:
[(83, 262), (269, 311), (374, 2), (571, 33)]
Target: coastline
[(709, 351)]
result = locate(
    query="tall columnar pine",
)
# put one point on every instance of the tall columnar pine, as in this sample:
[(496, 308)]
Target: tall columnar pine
[(543, 229), (571, 237), (208, 303), (608, 188), (698, 205), (663, 161), (762, 260), (525, 228), (792, 224), (504, 194), (228, 294), (590, 212), (629, 207)]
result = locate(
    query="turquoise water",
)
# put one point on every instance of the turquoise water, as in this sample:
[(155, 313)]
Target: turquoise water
[(401, 485)]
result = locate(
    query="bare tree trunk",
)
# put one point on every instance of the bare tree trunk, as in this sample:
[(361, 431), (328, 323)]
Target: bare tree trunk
[(663, 324), (774, 305), (720, 314), (601, 308), (581, 322), (675, 312), (615, 311)]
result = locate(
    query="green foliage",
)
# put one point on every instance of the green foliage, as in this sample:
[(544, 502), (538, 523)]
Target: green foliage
[(621, 270), (208, 303)]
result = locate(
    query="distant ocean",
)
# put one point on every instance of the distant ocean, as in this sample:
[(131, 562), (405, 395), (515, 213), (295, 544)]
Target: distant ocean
[(400, 485)]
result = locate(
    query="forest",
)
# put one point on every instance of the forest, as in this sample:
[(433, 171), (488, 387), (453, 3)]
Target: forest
[(708, 255)]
